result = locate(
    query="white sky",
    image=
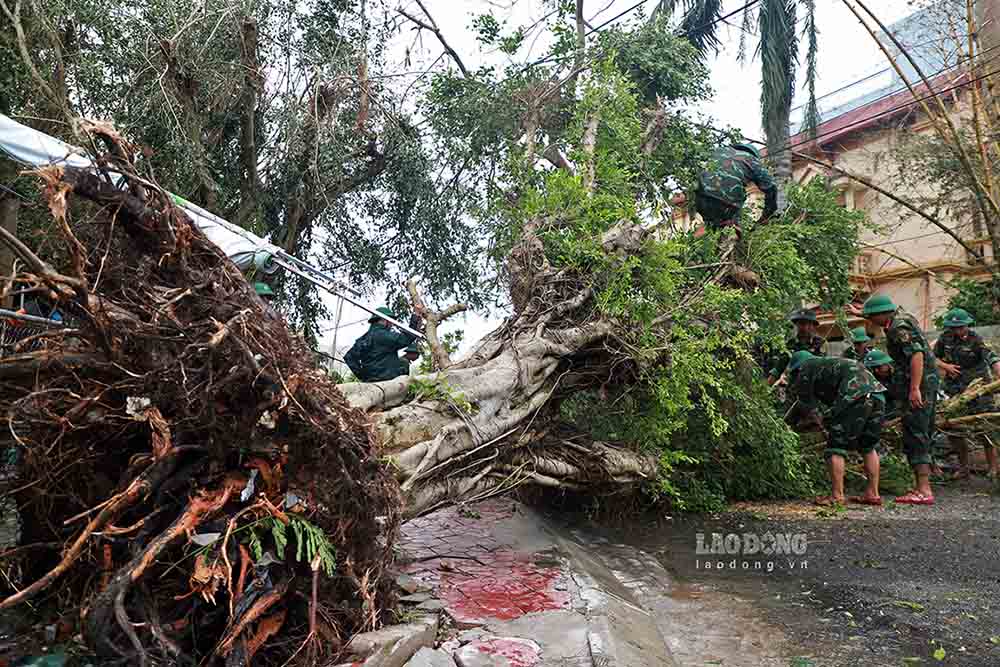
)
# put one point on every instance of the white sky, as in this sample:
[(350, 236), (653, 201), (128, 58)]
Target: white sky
[(846, 54)]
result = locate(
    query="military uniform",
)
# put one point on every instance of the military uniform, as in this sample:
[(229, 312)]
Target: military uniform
[(851, 401), (722, 188), (851, 354), (375, 356), (904, 338), (974, 357), (815, 346)]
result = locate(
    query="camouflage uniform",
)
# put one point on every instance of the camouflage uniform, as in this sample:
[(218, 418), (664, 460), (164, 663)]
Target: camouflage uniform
[(975, 358), (851, 353), (904, 338), (851, 399), (722, 188)]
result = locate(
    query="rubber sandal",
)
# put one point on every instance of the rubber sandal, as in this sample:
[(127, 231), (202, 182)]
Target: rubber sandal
[(914, 498), (861, 500)]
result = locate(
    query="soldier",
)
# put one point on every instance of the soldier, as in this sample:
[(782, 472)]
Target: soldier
[(722, 189), (721, 193), (852, 404), (410, 354), (962, 355), (879, 364), (805, 338), (914, 376), (861, 345), (375, 356)]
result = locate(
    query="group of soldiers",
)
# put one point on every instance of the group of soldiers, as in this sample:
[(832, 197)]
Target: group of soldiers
[(856, 392)]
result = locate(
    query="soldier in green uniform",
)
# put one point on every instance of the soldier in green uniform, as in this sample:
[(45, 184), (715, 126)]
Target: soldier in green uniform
[(805, 338), (880, 365), (722, 189), (375, 356), (721, 193), (915, 376), (962, 356), (852, 404), (410, 354), (861, 345)]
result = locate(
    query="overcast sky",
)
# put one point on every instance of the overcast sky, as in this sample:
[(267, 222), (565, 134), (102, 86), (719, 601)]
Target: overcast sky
[(846, 55)]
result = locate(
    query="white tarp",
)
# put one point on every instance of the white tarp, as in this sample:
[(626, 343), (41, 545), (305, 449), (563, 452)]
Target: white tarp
[(38, 149)]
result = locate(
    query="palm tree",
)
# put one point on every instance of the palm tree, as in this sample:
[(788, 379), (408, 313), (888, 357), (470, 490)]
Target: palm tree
[(778, 49)]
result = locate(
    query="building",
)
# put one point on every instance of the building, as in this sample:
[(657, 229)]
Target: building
[(862, 127)]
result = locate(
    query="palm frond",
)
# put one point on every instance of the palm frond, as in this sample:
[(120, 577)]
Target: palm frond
[(778, 50), (700, 22), (746, 28), (811, 118)]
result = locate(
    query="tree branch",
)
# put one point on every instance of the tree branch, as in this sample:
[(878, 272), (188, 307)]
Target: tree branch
[(653, 134), (438, 353), (902, 202), (588, 146), (433, 27), (250, 185)]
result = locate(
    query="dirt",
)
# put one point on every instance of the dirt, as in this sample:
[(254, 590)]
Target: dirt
[(896, 585)]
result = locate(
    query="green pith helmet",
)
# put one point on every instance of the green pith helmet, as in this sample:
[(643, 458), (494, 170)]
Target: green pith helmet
[(859, 335), (957, 317), (877, 358), (412, 348), (803, 315), (798, 359), (877, 304), (382, 310), (749, 148), (263, 289)]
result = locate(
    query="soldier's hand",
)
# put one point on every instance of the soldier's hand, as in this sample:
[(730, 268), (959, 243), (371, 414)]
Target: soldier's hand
[(853, 309), (951, 370), (916, 399)]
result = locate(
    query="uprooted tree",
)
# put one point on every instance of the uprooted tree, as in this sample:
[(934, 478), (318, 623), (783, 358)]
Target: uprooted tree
[(196, 489)]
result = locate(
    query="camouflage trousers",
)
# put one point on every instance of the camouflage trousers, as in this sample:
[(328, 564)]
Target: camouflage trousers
[(857, 427), (919, 425), (716, 213)]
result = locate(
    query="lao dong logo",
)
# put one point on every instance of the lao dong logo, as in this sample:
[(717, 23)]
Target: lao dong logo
[(751, 551)]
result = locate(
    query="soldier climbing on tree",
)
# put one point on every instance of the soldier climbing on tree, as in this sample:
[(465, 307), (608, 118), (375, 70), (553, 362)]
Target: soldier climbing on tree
[(722, 191), (375, 356)]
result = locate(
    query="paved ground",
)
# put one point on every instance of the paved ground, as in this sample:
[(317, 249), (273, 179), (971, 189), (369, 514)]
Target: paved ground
[(891, 586)]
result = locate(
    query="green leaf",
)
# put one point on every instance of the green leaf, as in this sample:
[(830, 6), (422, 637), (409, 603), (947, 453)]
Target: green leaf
[(939, 654), (912, 606)]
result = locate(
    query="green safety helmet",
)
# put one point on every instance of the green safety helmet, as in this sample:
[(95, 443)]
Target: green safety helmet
[(381, 310), (263, 289), (412, 348), (747, 147), (798, 359), (877, 358), (803, 315), (877, 304), (957, 317), (859, 335)]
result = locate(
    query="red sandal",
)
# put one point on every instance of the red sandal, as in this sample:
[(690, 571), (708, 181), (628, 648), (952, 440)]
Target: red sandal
[(915, 498)]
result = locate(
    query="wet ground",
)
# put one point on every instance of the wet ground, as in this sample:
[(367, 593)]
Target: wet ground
[(865, 587)]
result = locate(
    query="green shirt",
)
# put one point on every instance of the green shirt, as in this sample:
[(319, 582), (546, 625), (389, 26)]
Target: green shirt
[(903, 339), (375, 356), (833, 383), (971, 354)]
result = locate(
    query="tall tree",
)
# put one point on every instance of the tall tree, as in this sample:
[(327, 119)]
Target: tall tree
[(778, 49)]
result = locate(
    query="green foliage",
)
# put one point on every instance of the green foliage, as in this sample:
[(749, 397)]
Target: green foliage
[(308, 540), (895, 475), (451, 341), (980, 299), (437, 388)]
